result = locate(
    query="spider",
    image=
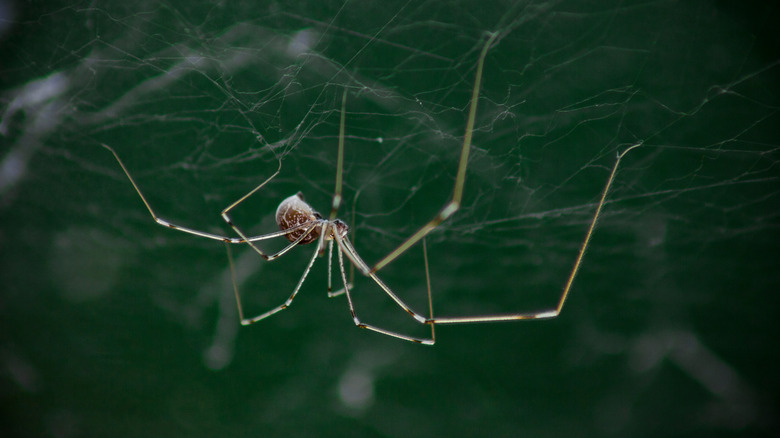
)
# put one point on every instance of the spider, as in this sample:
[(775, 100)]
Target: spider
[(302, 225)]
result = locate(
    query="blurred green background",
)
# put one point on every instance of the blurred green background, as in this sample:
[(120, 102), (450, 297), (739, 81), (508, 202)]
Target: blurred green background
[(113, 325)]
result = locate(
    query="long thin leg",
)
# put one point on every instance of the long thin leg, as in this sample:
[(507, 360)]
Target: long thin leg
[(448, 210), (330, 270), (428, 286), (454, 204), (286, 304), (341, 291), (293, 244), (554, 312), (340, 160), (310, 226), (363, 325), (345, 245), (192, 231), (351, 265)]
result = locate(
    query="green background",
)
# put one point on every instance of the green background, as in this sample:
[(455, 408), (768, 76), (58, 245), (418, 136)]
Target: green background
[(112, 325)]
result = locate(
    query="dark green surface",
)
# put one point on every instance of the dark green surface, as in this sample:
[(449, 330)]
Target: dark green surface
[(112, 325)]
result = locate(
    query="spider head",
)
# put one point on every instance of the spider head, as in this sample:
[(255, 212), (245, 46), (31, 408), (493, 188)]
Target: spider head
[(340, 227)]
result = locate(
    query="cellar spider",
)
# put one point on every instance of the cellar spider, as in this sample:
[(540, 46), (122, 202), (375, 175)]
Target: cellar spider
[(302, 225)]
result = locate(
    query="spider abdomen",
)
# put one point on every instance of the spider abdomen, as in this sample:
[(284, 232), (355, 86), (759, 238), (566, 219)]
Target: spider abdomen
[(293, 212)]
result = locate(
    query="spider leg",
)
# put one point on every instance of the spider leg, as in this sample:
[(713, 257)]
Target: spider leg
[(428, 286), (293, 244), (288, 302), (250, 240), (341, 291), (330, 269), (345, 245), (187, 230), (351, 265), (547, 314), (449, 209), (340, 159), (454, 204), (339, 244)]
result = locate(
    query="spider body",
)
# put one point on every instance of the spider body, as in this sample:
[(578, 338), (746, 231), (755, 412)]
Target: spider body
[(295, 214), (300, 224)]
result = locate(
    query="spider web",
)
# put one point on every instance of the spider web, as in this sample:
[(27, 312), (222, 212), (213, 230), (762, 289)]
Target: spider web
[(204, 101)]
